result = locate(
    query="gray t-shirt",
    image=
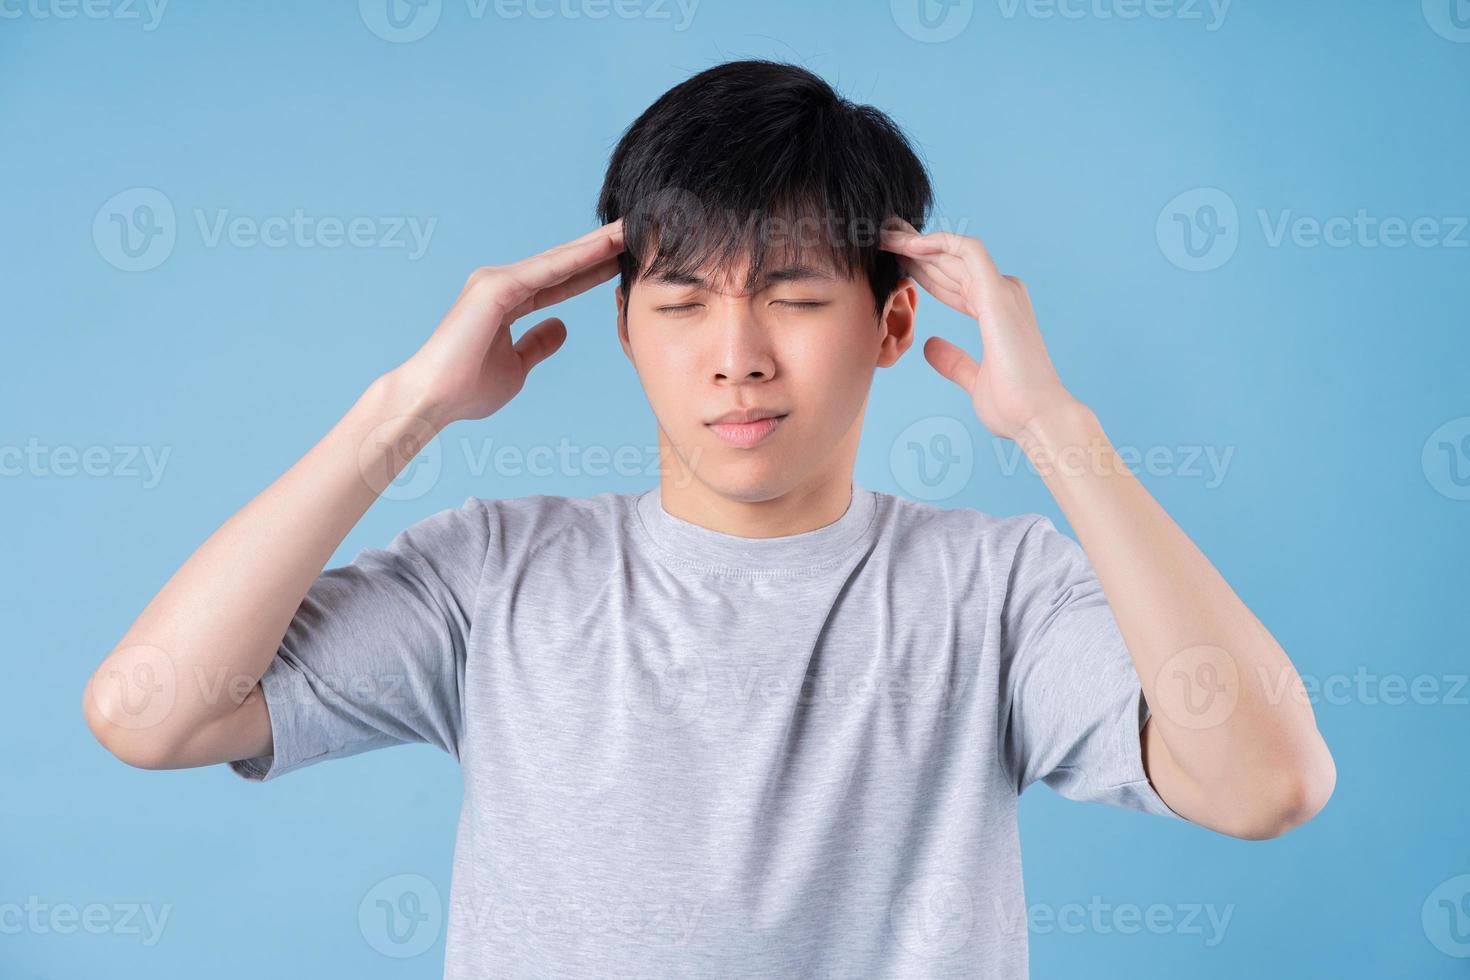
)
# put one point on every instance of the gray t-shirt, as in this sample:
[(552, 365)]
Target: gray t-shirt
[(687, 753)]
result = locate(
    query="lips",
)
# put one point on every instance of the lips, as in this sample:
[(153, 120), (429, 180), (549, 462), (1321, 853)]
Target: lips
[(747, 415), (747, 433)]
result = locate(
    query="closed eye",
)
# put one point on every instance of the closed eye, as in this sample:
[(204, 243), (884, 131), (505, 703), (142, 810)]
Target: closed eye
[(679, 309)]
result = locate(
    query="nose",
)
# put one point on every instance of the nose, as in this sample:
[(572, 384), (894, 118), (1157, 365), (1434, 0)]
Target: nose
[(743, 350)]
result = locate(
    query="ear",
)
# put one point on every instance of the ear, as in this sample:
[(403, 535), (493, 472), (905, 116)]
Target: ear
[(897, 322), (622, 314)]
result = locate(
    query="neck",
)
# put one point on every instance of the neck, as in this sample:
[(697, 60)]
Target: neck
[(816, 502)]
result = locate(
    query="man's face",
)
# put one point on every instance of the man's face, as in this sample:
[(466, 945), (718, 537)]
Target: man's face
[(801, 346)]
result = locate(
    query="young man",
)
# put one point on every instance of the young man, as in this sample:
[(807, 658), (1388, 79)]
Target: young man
[(758, 720)]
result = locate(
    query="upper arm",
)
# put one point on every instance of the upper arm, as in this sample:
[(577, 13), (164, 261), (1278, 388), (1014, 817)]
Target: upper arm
[(1174, 787), (375, 656), (1072, 706), (239, 733), (243, 733), (1234, 816)]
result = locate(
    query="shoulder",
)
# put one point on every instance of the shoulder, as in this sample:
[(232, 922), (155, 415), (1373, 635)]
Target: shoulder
[(553, 508), (969, 531), (522, 525)]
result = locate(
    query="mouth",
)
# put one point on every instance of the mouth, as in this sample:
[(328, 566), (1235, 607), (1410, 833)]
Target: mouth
[(746, 433)]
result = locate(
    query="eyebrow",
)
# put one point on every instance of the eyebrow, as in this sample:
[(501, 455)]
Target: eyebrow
[(785, 274)]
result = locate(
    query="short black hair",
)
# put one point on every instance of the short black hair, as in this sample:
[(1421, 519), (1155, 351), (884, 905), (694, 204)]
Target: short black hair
[(727, 159)]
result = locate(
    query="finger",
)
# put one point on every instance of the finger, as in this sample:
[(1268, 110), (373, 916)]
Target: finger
[(958, 271), (549, 268), (952, 362), (947, 249), (566, 289), (606, 240), (579, 283), (913, 247), (900, 240), (953, 269), (939, 286), (993, 339), (974, 254), (1021, 290), (931, 256), (611, 232), (907, 241), (611, 229), (944, 272), (540, 342), (894, 223)]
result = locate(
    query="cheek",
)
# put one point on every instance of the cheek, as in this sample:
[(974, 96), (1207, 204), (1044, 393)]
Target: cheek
[(837, 356), (664, 361)]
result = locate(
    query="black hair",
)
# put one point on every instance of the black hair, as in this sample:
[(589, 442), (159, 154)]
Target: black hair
[(727, 159)]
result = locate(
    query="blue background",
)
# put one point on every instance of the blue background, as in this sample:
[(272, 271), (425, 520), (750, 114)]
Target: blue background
[(1061, 140)]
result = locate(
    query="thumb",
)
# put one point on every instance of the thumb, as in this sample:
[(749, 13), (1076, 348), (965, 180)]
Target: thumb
[(540, 342), (952, 362)]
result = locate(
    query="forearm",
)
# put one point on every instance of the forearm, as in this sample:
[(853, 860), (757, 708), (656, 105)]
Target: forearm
[(205, 639), (1226, 701)]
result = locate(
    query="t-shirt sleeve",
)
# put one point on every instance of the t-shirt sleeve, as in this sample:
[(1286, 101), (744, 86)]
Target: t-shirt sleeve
[(375, 654), (1072, 704)]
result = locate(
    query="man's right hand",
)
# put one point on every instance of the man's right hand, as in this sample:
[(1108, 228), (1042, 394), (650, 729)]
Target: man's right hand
[(217, 624), (469, 368)]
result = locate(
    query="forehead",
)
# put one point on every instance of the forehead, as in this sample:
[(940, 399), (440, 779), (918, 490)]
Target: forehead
[(745, 268), (736, 277), (736, 252)]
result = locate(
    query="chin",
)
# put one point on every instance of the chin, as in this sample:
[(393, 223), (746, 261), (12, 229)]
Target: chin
[(745, 475)]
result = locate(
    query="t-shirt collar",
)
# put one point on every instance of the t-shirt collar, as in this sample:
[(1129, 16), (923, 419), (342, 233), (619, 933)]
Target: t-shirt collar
[(787, 555)]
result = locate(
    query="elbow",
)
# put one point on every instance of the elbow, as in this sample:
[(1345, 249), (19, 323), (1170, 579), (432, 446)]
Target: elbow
[(1296, 794), (120, 732)]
